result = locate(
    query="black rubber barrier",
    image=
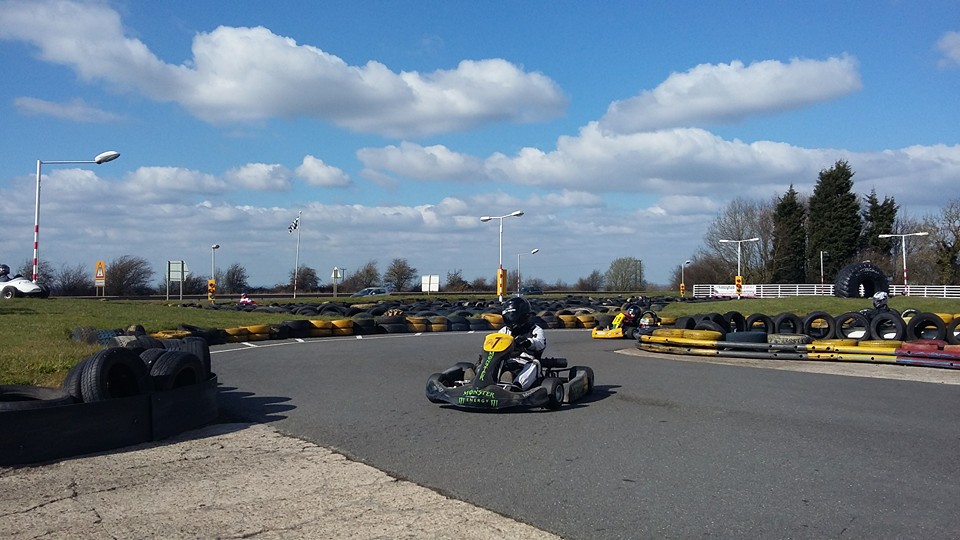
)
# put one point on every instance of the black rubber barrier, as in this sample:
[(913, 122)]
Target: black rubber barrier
[(36, 435)]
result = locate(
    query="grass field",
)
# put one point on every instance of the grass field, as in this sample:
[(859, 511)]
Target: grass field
[(36, 349)]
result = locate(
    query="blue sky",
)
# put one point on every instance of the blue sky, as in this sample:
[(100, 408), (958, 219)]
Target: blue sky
[(621, 129)]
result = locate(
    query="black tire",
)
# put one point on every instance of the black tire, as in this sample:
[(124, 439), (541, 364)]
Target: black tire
[(175, 369), (555, 392), (8, 293), (747, 336), (759, 318), (787, 323), (18, 397), (149, 356), (71, 383), (199, 348), (735, 321), (113, 373), (888, 325), (708, 324), (920, 325), (863, 274), (685, 323), (147, 342), (850, 323), (812, 329), (953, 333)]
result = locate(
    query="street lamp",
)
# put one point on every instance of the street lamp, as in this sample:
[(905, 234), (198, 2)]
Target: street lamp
[(739, 243), (822, 253), (903, 248), (213, 261), (101, 158), (683, 287), (516, 213), (532, 251)]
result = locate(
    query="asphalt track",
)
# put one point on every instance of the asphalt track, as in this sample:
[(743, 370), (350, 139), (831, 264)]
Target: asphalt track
[(665, 447)]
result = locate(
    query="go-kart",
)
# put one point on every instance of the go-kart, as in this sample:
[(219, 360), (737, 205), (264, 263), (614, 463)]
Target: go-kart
[(21, 286), (479, 386), (625, 326)]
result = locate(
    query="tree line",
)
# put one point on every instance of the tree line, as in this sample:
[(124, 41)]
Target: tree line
[(803, 237), (131, 275)]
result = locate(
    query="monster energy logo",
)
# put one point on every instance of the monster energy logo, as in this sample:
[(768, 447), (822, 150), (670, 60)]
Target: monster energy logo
[(486, 364), (477, 400)]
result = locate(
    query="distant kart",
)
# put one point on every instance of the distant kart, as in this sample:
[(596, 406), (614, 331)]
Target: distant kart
[(478, 386), (20, 286), (625, 326)]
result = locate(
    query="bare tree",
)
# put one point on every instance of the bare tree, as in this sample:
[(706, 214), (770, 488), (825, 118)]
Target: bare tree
[(235, 279), (73, 281), (366, 276), (593, 282), (128, 276), (742, 220), (399, 274), (624, 274)]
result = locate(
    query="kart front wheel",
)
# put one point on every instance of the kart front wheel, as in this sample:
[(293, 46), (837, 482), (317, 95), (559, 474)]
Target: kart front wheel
[(555, 392), (8, 293)]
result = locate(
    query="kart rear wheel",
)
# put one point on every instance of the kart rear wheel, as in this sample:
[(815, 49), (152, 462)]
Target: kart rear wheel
[(555, 392)]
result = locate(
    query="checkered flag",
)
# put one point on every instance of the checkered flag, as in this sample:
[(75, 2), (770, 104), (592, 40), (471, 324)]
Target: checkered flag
[(295, 225)]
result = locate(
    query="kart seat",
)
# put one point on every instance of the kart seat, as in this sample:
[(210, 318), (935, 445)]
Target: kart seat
[(553, 362)]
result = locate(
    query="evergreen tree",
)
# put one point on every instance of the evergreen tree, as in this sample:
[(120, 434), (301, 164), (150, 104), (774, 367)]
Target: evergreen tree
[(789, 239), (878, 218), (834, 224)]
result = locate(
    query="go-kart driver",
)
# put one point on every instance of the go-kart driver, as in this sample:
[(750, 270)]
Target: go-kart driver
[(4, 272), (529, 338)]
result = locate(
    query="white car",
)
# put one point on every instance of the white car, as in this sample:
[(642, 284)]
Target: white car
[(372, 291), (21, 286)]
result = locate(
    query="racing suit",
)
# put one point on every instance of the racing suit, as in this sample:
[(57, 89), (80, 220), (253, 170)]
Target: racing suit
[(531, 343)]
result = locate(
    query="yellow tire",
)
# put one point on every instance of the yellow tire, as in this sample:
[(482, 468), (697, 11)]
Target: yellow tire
[(341, 331), (706, 335), (257, 337), (322, 325), (416, 327), (343, 324), (668, 332), (258, 329), (320, 332)]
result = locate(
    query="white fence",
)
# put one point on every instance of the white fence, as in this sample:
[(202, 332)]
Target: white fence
[(808, 289)]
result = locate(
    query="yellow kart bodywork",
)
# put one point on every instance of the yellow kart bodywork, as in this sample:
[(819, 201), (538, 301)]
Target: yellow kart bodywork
[(606, 333), (614, 331)]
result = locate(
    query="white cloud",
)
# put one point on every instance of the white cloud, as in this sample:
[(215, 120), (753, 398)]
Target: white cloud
[(718, 93), (260, 177), (317, 173), (422, 162), (75, 110), (949, 45), (250, 74)]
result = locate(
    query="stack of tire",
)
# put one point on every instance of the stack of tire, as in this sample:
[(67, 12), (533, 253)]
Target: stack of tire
[(144, 365)]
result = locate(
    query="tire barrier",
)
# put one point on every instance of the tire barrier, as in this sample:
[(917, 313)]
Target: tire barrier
[(926, 340), (118, 397)]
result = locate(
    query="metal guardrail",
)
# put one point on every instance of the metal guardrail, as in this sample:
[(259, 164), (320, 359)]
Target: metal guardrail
[(808, 289)]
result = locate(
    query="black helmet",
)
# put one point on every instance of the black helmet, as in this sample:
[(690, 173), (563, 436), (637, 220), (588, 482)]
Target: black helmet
[(632, 311), (517, 314), (4, 269)]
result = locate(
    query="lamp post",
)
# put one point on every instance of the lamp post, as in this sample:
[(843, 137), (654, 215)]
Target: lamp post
[(100, 158), (739, 243), (516, 213), (822, 253), (213, 261), (683, 287), (532, 251), (903, 248)]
